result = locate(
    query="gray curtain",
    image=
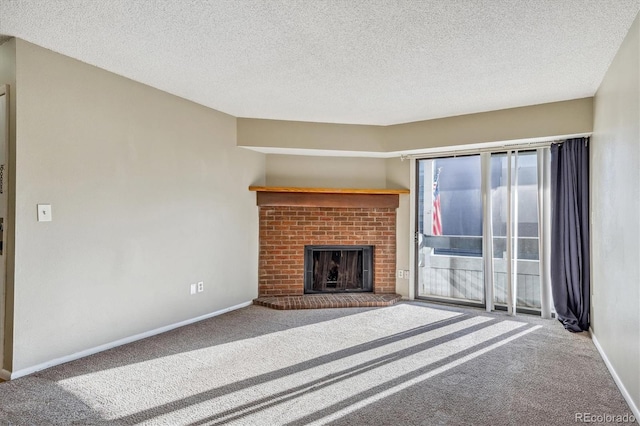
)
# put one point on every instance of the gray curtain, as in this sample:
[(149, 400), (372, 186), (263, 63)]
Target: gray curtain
[(570, 277)]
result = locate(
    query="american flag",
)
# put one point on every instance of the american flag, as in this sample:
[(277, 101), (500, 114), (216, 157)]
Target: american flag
[(436, 215)]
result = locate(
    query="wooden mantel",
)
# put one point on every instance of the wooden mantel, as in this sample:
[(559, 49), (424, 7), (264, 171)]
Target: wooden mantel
[(327, 197), (327, 190)]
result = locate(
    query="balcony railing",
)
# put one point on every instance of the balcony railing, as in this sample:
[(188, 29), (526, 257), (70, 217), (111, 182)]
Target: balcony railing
[(452, 267)]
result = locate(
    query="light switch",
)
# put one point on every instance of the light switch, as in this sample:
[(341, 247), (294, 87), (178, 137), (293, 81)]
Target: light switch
[(44, 212)]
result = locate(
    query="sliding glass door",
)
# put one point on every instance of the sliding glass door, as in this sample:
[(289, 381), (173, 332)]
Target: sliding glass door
[(450, 229), (477, 239), (520, 196)]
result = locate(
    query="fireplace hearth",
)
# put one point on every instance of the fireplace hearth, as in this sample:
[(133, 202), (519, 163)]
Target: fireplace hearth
[(338, 268)]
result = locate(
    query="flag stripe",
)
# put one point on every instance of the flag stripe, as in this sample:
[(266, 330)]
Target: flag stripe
[(436, 215)]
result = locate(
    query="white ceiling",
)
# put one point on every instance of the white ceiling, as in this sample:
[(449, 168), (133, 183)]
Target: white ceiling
[(352, 61)]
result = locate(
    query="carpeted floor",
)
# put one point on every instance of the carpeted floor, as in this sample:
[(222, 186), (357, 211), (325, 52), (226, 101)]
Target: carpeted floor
[(407, 364)]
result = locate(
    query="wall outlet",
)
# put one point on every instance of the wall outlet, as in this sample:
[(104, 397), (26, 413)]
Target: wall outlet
[(200, 286), (193, 289), (400, 273)]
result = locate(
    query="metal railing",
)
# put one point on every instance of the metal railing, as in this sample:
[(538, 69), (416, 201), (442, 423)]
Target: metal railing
[(445, 273)]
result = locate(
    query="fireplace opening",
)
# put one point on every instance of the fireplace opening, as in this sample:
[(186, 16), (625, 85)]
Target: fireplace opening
[(338, 269)]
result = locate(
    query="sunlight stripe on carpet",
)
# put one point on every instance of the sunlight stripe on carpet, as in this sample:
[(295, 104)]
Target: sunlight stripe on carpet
[(416, 380), (301, 394)]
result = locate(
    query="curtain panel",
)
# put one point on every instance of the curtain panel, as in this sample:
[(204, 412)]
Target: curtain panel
[(570, 260)]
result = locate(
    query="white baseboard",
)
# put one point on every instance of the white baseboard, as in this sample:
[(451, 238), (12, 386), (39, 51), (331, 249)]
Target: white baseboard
[(10, 375), (5, 374), (616, 378)]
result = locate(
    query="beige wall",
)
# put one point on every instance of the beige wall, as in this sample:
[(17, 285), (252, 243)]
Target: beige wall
[(398, 176), (8, 77), (615, 214), (537, 121), (149, 194), (325, 172)]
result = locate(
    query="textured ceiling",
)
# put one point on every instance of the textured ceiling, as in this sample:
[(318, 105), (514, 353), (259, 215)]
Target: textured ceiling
[(355, 61)]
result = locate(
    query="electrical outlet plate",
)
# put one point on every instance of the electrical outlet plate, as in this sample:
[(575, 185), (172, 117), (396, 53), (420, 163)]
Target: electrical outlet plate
[(193, 289), (400, 273), (200, 286)]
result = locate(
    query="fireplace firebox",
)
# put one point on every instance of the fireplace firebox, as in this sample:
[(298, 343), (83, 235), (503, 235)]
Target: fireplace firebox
[(338, 268)]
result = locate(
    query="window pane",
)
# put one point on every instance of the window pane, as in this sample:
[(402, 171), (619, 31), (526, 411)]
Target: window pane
[(528, 279), (450, 229)]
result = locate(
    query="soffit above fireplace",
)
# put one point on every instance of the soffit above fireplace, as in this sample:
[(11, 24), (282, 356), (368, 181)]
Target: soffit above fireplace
[(327, 197)]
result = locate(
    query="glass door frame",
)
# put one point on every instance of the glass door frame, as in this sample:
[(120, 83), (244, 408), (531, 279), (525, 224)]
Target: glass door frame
[(487, 231)]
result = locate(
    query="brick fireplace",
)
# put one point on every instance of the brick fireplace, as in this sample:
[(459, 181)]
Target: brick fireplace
[(294, 218)]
